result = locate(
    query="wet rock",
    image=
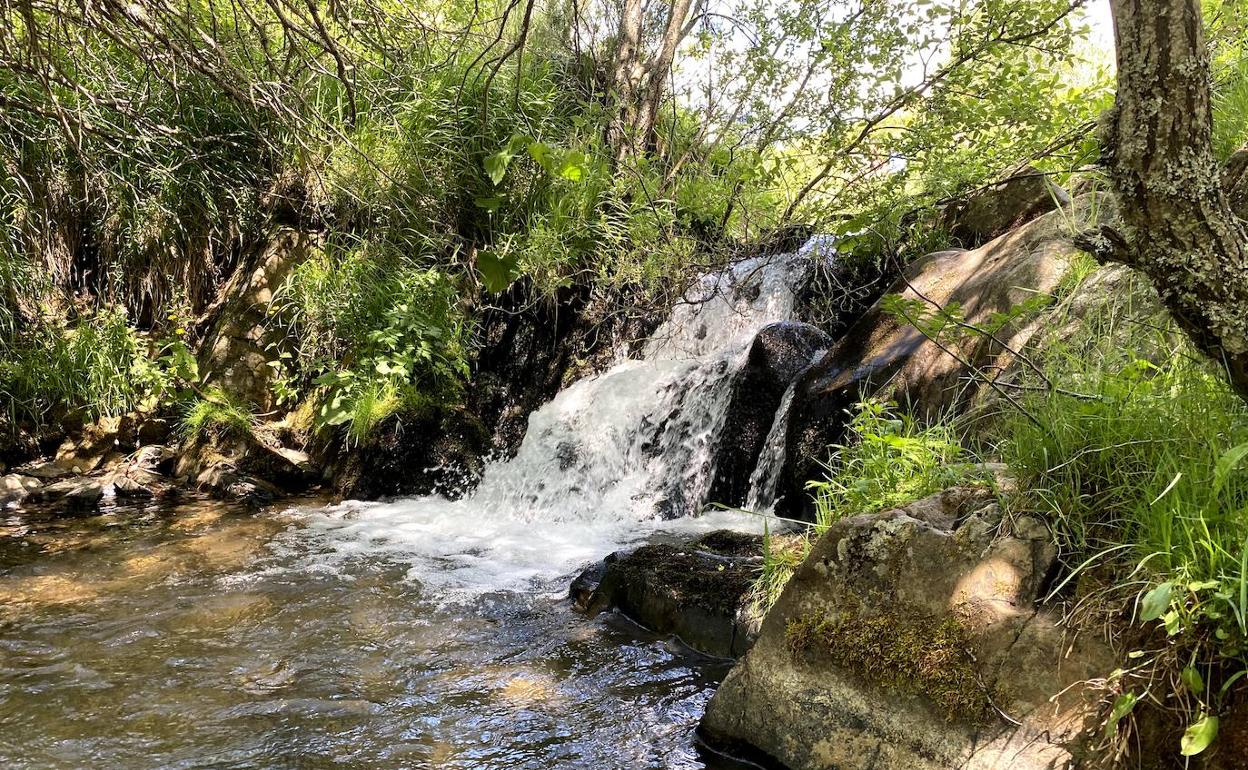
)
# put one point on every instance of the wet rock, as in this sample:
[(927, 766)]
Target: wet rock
[(886, 356), (900, 642), (224, 481), (155, 458), (778, 354), (76, 494), (995, 210), (696, 591), (137, 482), (14, 487), (44, 470), (415, 454)]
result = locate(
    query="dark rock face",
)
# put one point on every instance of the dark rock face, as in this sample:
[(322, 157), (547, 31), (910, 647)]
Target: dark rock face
[(532, 347), (777, 356), (415, 454), (991, 212), (695, 591)]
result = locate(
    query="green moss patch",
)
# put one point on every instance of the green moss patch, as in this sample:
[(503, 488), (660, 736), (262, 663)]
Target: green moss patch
[(904, 650)]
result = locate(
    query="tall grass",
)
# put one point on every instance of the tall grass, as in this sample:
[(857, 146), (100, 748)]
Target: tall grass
[(1145, 481), (98, 366)]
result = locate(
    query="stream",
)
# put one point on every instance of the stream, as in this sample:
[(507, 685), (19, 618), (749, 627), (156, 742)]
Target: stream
[(197, 636), (416, 633)]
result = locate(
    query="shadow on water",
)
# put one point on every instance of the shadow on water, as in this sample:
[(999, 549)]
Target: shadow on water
[(177, 637)]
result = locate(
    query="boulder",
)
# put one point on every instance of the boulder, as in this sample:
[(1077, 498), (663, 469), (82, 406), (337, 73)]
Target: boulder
[(912, 639), (778, 354), (886, 356), (14, 487), (76, 494), (99, 444), (994, 210), (696, 591)]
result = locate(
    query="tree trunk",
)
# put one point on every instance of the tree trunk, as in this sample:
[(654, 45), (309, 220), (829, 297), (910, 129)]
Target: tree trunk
[(638, 85), (1177, 225)]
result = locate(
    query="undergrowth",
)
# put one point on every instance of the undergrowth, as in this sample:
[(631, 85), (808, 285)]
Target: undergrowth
[(888, 459), (1139, 460)]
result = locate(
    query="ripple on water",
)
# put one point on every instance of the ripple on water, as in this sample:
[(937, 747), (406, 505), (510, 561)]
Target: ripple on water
[(186, 641)]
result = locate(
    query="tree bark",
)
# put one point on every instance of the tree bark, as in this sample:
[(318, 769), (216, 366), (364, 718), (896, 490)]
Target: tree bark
[(638, 84), (1177, 225)]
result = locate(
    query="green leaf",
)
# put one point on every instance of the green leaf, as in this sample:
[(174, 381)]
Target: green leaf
[(489, 204), (1155, 602), (497, 271), (1227, 463), (1192, 680), (1122, 706), (1199, 735), (540, 153), (572, 167), (496, 166)]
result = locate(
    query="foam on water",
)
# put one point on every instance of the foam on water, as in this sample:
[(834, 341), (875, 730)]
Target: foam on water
[(611, 460)]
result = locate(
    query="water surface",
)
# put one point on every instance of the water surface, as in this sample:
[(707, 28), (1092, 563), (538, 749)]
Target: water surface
[(201, 636)]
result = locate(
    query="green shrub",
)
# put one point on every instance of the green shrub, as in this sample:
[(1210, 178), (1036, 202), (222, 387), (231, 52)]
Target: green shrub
[(1138, 459), (214, 415), (888, 460)]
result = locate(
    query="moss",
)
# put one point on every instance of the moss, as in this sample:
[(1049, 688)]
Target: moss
[(907, 649)]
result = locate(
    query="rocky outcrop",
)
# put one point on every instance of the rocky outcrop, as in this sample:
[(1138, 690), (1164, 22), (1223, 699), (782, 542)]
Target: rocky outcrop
[(912, 639), (778, 354), (696, 591), (988, 293), (995, 210), (440, 451), (252, 466)]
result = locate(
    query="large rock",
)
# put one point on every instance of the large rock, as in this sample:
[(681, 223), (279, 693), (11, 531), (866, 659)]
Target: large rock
[(778, 354), (696, 591), (1001, 207), (889, 357), (14, 487), (904, 640)]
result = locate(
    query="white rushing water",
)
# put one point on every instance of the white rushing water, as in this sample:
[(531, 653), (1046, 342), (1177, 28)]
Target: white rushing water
[(610, 460)]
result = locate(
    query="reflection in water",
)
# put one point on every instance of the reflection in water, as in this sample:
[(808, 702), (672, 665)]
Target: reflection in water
[(166, 638)]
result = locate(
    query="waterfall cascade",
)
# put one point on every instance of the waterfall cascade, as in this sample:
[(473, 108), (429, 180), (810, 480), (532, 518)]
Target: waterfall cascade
[(604, 463)]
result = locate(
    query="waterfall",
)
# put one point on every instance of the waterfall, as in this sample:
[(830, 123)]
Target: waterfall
[(765, 480), (608, 460)]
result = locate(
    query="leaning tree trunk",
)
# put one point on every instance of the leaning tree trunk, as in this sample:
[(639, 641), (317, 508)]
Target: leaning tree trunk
[(1177, 225)]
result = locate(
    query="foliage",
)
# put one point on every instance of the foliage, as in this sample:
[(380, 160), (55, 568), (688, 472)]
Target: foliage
[(215, 415), (1227, 27), (99, 364), (1137, 456), (889, 460)]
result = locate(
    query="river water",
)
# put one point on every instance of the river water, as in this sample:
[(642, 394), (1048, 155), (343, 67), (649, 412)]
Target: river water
[(197, 636), (418, 633)]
